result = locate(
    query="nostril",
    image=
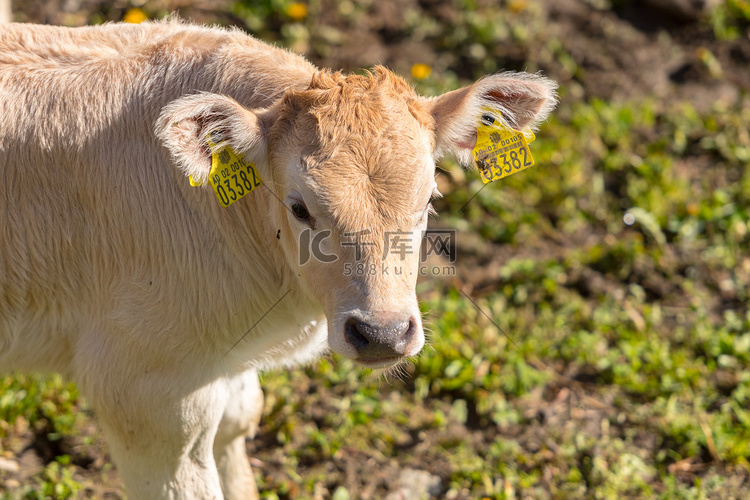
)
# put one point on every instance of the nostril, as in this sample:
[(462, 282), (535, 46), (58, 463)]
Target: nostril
[(405, 339), (354, 336)]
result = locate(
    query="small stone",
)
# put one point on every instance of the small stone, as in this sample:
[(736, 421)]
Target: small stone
[(415, 484), (8, 465)]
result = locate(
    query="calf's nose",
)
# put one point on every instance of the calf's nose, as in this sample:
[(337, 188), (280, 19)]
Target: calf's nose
[(375, 342)]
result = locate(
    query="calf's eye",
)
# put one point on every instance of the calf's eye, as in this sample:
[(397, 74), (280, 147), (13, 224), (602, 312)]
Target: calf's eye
[(300, 211)]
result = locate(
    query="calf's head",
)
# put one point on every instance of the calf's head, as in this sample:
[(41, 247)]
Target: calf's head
[(350, 160)]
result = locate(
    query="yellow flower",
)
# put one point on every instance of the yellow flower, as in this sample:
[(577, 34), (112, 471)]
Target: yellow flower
[(517, 6), (421, 71), (135, 16), (297, 11)]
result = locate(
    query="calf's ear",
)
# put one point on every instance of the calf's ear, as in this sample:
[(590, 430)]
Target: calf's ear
[(520, 100), (185, 124)]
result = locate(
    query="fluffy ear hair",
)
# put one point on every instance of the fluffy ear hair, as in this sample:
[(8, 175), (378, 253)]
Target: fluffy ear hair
[(185, 123), (520, 100)]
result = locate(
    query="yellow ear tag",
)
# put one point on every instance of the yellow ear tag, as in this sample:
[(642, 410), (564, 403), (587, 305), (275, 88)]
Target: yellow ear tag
[(500, 151), (231, 176)]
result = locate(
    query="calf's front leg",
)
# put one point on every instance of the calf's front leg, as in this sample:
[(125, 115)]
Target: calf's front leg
[(160, 427), (240, 420)]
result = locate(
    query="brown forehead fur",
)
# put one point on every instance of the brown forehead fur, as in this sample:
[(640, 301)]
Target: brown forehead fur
[(367, 148)]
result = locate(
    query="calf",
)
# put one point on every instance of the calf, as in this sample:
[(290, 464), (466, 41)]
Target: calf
[(121, 267)]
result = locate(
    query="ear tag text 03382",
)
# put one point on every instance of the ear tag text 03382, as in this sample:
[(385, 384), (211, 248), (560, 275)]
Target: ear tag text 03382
[(500, 150), (231, 176)]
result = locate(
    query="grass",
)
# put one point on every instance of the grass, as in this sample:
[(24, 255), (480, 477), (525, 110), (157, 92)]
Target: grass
[(588, 358)]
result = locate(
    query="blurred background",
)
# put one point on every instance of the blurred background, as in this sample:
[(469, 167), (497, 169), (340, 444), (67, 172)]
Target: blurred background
[(592, 338)]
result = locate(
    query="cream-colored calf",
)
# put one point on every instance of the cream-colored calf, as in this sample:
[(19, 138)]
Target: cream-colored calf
[(161, 303)]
